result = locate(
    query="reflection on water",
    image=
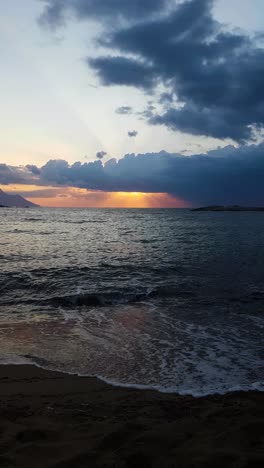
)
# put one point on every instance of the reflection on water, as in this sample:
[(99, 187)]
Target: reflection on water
[(164, 298)]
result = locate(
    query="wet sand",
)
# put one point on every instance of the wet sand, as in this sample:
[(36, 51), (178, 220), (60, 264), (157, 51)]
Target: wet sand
[(55, 420)]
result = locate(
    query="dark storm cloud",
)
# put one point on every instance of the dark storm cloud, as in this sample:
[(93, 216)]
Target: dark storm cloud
[(132, 133), (213, 77), (5, 174), (124, 110), (15, 175), (101, 154), (33, 169), (222, 176), (123, 71), (56, 10)]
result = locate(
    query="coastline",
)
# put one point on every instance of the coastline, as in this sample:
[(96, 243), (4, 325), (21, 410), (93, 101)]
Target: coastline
[(49, 419)]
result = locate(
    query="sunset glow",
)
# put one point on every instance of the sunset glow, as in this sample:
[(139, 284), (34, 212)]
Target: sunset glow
[(69, 197), (131, 233)]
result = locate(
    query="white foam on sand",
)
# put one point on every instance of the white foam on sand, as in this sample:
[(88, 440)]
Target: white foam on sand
[(181, 390)]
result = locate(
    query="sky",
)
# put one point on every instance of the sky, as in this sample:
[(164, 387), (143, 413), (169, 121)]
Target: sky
[(146, 103)]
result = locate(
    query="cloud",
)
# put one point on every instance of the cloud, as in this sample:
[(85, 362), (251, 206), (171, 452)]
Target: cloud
[(15, 175), (132, 133), (228, 175), (123, 71), (212, 75), (101, 154), (56, 11), (124, 110), (33, 169), (224, 176)]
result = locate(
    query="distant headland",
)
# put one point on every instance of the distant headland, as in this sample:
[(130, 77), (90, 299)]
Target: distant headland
[(229, 208), (14, 201)]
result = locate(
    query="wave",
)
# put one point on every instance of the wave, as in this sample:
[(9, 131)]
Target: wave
[(96, 268), (81, 298), (45, 233), (147, 241), (166, 269), (126, 233), (119, 284), (35, 233), (84, 221), (19, 231), (256, 386), (33, 220), (115, 297), (15, 258), (100, 299), (182, 390)]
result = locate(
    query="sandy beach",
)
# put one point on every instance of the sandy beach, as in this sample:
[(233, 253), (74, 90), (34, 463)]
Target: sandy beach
[(50, 419)]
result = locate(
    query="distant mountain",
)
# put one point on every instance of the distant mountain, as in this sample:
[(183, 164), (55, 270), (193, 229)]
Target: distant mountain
[(14, 201)]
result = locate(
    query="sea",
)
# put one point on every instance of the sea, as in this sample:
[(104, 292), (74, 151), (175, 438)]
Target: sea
[(165, 299)]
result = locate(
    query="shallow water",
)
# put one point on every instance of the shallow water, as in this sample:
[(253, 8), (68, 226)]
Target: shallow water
[(169, 299)]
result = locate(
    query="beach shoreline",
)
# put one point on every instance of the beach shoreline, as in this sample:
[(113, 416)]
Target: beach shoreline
[(49, 419)]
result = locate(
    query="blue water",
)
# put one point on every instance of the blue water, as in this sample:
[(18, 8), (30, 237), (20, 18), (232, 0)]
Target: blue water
[(167, 299)]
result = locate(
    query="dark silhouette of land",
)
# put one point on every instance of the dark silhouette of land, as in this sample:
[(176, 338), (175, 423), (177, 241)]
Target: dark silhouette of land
[(229, 208), (16, 201)]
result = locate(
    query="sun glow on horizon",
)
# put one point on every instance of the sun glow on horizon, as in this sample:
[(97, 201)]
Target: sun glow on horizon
[(70, 197)]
